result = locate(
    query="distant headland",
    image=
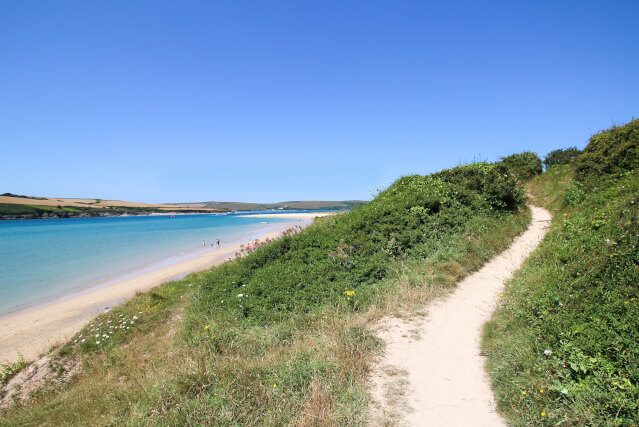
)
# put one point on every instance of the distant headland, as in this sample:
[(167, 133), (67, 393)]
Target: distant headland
[(14, 206)]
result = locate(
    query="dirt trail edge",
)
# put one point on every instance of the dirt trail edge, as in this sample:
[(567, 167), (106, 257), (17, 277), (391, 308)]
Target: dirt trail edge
[(432, 373)]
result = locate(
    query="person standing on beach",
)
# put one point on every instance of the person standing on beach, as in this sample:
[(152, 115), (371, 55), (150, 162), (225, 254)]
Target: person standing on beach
[(217, 242), (204, 244)]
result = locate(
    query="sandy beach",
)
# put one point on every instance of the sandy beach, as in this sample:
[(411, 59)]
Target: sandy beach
[(33, 331), (301, 215)]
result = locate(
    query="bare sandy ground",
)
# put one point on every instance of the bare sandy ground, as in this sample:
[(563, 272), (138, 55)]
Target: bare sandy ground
[(433, 373), (302, 215), (32, 332)]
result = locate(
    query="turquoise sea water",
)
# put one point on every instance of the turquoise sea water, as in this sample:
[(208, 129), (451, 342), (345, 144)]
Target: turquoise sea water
[(41, 260)]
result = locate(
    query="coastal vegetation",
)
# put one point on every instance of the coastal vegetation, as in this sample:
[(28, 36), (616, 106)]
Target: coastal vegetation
[(281, 334), (564, 347)]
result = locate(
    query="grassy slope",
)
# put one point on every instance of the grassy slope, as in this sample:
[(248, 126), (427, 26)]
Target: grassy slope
[(295, 347), (577, 297)]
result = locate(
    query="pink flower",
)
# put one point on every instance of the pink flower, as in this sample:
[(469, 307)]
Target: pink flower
[(330, 255), (351, 247)]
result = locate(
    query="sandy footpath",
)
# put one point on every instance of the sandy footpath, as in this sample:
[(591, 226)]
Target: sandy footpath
[(433, 373), (33, 331)]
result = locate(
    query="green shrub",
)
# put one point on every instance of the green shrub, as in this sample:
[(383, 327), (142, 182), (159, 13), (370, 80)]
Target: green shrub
[(493, 182), (524, 165), (611, 152), (8, 370), (574, 194), (352, 252), (561, 156)]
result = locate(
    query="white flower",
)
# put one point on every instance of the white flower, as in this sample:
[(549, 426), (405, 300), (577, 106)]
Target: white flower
[(240, 295), (97, 335), (83, 340), (135, 317), (131, 322), (97, 342), (548, 352)]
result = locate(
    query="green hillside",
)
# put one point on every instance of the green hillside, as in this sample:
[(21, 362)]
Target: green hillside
[(564, 347), (281, 335)]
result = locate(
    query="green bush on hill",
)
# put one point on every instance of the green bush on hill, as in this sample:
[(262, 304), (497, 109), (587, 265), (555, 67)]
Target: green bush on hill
[(564, 347), (611, 152), (524, 165), (561, 156), (352, 252)]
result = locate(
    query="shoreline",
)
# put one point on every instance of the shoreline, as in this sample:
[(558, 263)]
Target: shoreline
[(33, 330), (300, 215)]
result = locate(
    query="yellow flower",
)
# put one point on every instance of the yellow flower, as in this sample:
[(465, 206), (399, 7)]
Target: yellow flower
[(543, 414), (213, 337), (541, 391), (207, 326), (274, 385), (565, 214), (524, 392)]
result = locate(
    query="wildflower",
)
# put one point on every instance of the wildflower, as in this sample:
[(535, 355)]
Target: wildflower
[(240, 295), (97, 342), (207, 326), (351, 247), (547, 352), (543, 414), (83, 340), (524, 392), (135, 317), (565, 214), (541, 391), (274, 385), (330, 255)]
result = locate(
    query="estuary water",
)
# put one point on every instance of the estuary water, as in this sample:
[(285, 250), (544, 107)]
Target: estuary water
[(41, 260)]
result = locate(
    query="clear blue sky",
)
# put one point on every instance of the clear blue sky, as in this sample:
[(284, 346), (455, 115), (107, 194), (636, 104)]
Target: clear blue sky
[(297, 100)]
